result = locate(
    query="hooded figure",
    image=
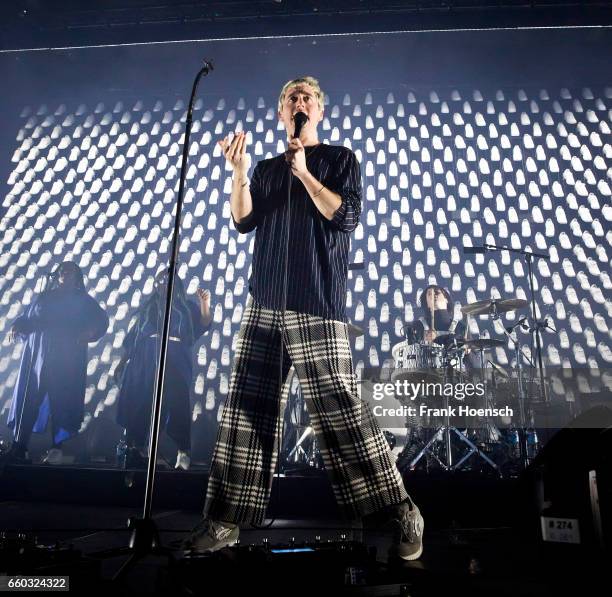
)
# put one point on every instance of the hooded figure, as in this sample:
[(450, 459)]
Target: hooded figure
[(137, 370), (56, 328)]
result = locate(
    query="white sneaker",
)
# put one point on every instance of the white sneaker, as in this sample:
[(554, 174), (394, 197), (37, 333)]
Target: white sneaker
[(54, 456), (409, 542), (211, 535), (183, 460)]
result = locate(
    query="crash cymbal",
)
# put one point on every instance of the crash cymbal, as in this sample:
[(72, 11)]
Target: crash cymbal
[(484, 343), (354, 331), (494, 305)]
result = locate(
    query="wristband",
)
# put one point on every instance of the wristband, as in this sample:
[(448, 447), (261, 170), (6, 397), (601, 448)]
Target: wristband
[(318, 192)]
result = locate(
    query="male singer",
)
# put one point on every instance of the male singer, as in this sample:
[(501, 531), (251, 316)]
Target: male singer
[(301, 249)]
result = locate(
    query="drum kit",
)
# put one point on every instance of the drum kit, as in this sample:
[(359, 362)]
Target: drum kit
[(474, 443), (446, 357)]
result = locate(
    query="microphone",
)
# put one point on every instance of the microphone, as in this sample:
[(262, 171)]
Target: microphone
[(520, 323), (208, 66), (300, 119), (474, 250), (498, 369)]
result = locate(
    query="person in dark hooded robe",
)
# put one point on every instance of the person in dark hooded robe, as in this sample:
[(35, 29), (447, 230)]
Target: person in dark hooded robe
[(56, 329), (137, 371)]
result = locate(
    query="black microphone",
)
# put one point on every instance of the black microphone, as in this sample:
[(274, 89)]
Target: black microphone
[(520, 323), (300, 119), (474, 249), (208, 66)]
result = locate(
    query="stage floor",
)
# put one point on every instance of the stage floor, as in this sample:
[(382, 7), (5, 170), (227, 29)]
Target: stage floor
[(499, 560)]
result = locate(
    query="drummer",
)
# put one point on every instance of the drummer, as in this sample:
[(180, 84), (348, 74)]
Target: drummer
[(436, 317), (436, 323)]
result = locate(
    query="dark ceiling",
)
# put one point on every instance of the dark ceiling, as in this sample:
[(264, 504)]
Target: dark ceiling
[(59, 23)]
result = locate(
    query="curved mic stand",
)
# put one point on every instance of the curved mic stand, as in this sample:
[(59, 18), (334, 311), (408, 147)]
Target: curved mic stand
[(144, 539)]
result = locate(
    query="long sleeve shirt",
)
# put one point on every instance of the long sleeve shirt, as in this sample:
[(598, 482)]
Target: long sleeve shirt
[(318, 248)]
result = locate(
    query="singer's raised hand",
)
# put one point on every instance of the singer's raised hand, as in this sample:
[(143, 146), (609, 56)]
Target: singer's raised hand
[(235, 151), (204, 298)]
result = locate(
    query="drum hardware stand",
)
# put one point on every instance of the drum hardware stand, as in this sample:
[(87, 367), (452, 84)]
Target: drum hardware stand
[(521, 390), (524, 452), (445, 431), (489, 427), (297, 456)]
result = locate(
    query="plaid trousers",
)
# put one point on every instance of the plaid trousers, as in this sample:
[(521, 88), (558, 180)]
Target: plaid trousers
[(355, 453)]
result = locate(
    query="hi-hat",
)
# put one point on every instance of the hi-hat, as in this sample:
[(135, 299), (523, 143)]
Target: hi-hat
[(449, 340), (483, 343), (490, 306)]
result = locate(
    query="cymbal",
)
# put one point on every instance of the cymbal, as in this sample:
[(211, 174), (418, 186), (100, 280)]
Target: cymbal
[(354, 331), (447, 340), (494, 305), (483, 343)]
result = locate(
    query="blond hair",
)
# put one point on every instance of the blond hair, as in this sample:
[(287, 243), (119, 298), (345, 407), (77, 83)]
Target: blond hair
[(314, 83)]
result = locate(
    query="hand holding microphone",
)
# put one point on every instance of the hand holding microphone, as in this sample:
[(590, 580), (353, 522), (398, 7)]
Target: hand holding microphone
[(296, 154)]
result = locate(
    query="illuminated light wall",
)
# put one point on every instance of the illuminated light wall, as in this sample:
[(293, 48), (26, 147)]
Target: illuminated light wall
[(525, 165)]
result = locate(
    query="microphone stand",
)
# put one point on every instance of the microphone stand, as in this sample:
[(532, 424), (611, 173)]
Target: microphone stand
[(534, 329), (144, 539), (523, 448), (536, 325), (19, 417), (298, 124)]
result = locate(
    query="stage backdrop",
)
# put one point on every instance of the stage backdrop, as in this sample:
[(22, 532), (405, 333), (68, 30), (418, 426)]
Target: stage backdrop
[(464, 138)]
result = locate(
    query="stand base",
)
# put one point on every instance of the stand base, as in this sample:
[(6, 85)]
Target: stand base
[(144, 541), (448, 466)]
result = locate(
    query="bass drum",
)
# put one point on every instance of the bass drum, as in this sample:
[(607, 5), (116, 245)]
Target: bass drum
[(416, 363), (418, 355)]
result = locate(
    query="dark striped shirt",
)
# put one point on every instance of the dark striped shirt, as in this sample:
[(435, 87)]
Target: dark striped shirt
[(318, 248)]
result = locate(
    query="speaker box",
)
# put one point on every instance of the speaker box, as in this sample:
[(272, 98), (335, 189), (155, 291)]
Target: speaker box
[(571, 477)]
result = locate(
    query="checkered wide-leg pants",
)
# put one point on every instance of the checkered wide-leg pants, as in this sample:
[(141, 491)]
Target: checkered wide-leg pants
[(356, 455)]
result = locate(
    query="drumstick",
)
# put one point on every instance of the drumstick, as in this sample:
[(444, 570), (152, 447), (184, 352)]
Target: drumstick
[(466, 333), (433, 320)]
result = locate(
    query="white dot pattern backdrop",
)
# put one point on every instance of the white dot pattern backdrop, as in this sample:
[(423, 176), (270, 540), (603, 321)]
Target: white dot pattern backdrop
[(443, 167)]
